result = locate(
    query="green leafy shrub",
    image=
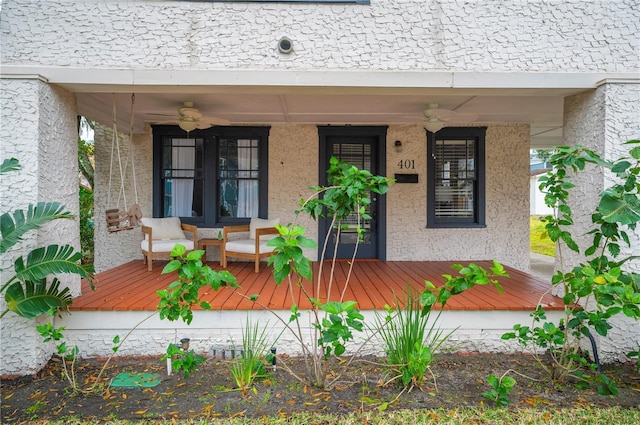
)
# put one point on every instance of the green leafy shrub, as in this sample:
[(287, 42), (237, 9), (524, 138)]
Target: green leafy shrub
[(30, 291), (347, 195), (500, 389), (177, 300), (186, 361), (598, 288), (85, 164)]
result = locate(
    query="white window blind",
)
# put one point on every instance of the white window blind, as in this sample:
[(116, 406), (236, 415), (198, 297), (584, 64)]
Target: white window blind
[(455, 176)]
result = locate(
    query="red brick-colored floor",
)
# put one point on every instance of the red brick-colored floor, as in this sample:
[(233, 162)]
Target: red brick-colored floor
[(372, 284)]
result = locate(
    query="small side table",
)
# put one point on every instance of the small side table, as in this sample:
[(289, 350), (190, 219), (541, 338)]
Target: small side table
[(205, 242)]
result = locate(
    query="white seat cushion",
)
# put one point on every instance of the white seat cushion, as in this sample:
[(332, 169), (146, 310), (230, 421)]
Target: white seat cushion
[(166, 245), (164, 228), (247, 246)]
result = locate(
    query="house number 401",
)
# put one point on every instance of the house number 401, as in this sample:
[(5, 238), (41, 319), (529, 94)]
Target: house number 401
[(409, 164)]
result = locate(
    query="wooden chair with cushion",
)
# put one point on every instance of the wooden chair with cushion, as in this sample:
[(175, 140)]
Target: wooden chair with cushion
[(162, 234), (248, 241)]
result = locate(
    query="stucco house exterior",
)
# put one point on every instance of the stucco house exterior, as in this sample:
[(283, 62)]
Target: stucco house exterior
[(292, 83)]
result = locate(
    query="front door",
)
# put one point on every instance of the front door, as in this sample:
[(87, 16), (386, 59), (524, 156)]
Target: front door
[(364, 148)]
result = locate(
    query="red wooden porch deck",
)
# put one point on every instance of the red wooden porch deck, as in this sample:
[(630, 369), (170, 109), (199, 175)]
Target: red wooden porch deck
[(130, 287)]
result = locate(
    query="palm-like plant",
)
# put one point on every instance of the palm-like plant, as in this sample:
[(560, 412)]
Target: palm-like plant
[(27, 292)]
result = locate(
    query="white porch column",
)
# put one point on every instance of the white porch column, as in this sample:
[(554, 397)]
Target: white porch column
[(38, 127), (602, 120)]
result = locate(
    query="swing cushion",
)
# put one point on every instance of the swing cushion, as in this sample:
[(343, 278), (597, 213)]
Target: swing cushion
[(168, 228)]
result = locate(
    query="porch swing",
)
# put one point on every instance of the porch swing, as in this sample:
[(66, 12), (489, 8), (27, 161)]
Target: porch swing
[(117, 219)]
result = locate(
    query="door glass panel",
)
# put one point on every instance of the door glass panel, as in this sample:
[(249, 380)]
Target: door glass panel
[(359, 155), (182, 177), (238, 178)]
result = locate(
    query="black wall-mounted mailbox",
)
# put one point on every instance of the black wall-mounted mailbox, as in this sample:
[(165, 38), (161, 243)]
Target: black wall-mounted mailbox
[(406, 178)]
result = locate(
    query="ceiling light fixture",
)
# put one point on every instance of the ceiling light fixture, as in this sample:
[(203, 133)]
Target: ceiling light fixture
[(433, 125), (188, 124)]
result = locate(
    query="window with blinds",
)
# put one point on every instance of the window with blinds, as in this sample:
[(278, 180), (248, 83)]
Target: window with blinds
[(456, 178)]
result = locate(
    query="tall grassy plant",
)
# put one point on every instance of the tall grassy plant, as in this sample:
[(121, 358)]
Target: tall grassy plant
[(411, 339), (251, 363)]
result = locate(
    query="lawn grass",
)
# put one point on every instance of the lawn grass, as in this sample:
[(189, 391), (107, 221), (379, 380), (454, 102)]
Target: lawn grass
[(540, 242), (586, 415)]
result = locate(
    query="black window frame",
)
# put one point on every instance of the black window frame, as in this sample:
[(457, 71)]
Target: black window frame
[(478, 134), (211, 210)]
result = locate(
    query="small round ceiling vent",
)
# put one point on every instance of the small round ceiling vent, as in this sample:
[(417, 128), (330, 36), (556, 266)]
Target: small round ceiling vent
[(285, 45)]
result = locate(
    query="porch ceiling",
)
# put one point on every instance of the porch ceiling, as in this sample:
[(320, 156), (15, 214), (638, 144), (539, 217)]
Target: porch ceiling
[(357, 98), (544, 112)]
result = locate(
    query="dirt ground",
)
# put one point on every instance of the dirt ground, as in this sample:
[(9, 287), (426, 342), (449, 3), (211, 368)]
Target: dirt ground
[(210, 392)]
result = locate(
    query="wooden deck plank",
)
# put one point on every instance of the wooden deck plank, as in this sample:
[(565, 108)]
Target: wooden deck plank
[(260, 284), (367, 296), (117, 281), (373, 284), (281, 297), (111, 288), (338, 286), (227, 299)]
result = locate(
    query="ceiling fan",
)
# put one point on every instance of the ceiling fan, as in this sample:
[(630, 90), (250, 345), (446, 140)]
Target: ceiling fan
[(438, 118), (190, 118)]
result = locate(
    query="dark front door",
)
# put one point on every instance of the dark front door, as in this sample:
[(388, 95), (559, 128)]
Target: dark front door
[(364, 148)]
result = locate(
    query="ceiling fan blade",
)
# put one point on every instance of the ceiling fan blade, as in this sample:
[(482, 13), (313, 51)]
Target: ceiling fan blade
[(152, 116), (203, 125), (215, 121), (463, 117), (441, 114)]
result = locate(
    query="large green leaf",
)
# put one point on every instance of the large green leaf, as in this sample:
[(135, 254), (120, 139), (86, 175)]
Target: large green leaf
[(10, 164), (51, 260), (617, 210), (14, 228), (32, 299)]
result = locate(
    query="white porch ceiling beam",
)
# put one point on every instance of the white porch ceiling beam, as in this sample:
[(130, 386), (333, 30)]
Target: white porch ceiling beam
[(95, 80)]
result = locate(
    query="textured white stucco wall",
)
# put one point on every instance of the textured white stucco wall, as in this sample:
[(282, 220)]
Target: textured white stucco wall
[(602, 121), (39, 128), (505, 237), (293, 167), (112, 249), (492, 35)]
